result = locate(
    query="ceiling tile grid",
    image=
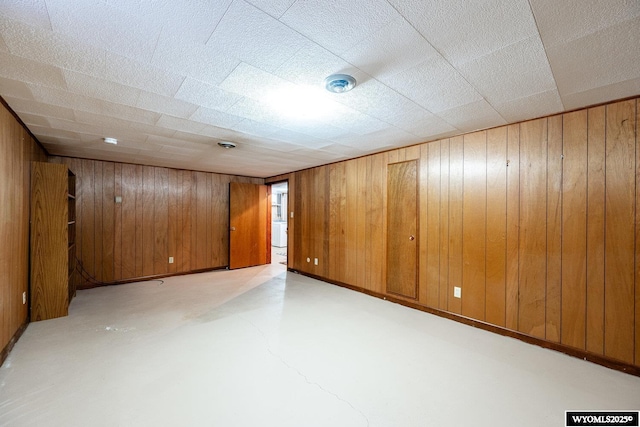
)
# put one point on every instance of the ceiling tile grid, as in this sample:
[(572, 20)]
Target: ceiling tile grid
[(171, 79)]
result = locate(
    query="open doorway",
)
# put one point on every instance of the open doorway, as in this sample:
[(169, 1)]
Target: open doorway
[(279, 223)]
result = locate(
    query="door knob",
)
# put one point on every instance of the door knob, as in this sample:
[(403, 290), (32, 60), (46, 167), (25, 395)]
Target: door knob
[(233, 229), (412, 237)]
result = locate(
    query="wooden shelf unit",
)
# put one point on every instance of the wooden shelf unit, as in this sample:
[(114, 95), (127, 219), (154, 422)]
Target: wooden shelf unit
[(53, 232)]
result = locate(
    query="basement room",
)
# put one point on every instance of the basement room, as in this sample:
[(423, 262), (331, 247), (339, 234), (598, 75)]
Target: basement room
[(320, 213)]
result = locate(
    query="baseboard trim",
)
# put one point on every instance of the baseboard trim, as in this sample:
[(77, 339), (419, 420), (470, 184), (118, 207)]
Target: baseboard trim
[(147, 278), (574, 352), (7, 348)]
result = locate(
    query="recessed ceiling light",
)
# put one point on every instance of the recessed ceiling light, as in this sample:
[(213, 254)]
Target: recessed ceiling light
[(113, 141), (226, 144), (339, 83)]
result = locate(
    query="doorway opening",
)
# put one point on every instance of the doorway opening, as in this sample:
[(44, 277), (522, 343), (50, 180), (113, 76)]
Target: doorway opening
[(279, 222)]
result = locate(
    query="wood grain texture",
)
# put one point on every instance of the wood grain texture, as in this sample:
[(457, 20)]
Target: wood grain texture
[(533, 230), (620, 231), (402, 228), (337, 206), (496, 225), (544, 227), (513, 227), (248, 222), (456, 175), (432, 274), (595, 230), (637, 237), (49, 241), (474, 225), (574, 229), (156, 219), (444, 225), (553, 298)]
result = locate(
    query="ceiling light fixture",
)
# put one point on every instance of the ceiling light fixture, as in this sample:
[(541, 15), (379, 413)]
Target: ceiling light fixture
[(339, 83), (113, 141), (226, 144)]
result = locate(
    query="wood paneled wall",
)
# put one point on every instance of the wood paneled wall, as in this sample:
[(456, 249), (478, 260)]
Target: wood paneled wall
[(536, 222), (164, 213), (17, 150)]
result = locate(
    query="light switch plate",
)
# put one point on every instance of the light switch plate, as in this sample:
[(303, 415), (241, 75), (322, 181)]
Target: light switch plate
[(457, 292)]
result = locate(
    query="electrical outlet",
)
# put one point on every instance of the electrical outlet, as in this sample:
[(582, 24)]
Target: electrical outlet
[(308, 259), (291, 214), (24, 298), (457, 292), (315, 261), (170, 260)]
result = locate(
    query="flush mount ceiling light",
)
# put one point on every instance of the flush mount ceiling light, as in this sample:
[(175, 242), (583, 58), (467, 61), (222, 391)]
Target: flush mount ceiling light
[(339, 83), (113, 141), (226, 144)]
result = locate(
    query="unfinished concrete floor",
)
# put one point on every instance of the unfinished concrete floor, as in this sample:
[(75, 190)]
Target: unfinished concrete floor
[(262, 347)]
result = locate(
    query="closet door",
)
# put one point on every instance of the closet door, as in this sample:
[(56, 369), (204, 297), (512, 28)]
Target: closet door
[(402, 229)]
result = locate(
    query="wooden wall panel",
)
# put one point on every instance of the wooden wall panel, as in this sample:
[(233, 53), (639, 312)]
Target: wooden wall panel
[(128, 219), (164, 213), (444, 226), (595, 230), (456, 175), (17, 151), (533, 230), (574, 229), (536, 221), (620, 231), (496, 225), (513, 227), (474, 225), (553, 299), (431, 276), (108, 222)]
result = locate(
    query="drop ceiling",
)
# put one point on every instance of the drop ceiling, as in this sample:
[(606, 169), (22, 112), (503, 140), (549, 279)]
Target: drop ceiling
[(171, 79)]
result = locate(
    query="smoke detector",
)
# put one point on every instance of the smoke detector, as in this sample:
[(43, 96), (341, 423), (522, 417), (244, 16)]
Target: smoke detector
[(339, 83), (226, 144)]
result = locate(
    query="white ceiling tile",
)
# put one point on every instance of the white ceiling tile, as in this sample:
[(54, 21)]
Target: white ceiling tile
[(39, 108), (602, 58), (462, 30), (602, 94), (51, 48), (311, 64), (275, 8), (512, 72), (267, 45), (32, 11), (15, 89), (34, 120), (338, 25), (195, 60), (431, 127), (129, 72), (105, 26), (3, 45), (94, 87), (300, 139), (530, 107), (394, 48), (435, 85), (28, 71), (215, 118), (178, 124), (206, 95), (586, 17), (190, 21), (63, 128), (473, 116), (162, 104), (253, 127), (254, 83)]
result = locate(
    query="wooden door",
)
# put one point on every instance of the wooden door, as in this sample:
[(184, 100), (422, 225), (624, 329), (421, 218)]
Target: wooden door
[(249, 225), (402, 229)]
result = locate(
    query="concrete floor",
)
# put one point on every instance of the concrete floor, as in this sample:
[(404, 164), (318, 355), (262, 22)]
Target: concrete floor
[(262, 347)]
